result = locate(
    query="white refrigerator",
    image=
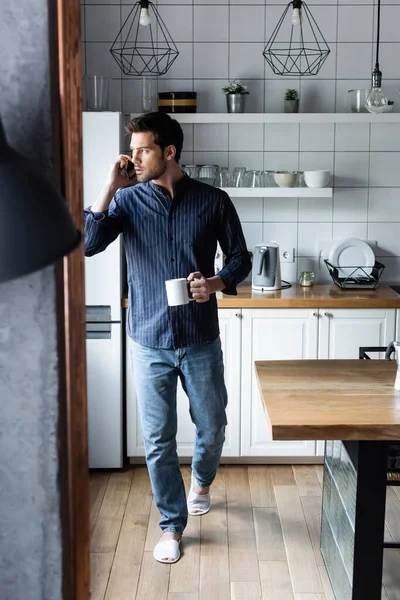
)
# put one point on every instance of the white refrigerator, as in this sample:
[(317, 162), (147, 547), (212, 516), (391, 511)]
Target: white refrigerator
[(102, 137)]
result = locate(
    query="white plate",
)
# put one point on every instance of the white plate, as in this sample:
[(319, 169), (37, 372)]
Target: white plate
[(350, 253)]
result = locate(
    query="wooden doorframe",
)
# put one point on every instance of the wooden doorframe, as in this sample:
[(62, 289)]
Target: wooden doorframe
[(66, 55)]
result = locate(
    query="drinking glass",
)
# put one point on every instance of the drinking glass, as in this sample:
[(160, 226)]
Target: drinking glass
[(191, 170), (254, 179), (356, 100), (208, 173), (97, 89), (149, 94), (268, 177), (223, 178), (238, 177)]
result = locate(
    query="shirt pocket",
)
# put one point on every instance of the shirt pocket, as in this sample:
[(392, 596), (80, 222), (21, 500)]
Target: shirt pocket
[(149, 231), (200, 231)]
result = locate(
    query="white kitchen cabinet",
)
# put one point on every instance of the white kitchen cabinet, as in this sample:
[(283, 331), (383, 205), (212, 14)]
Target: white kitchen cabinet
[(230, 326), (272, 334), (279, 334), (342, 331)]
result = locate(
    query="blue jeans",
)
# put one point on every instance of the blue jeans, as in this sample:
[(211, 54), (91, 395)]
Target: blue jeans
[(155, 373)]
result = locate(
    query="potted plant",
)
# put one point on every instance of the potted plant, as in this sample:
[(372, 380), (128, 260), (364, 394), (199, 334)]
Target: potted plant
[(235, 96), (291, 101)]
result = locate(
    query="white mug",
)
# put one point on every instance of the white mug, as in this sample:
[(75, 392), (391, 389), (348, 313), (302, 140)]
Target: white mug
[(177, 292)]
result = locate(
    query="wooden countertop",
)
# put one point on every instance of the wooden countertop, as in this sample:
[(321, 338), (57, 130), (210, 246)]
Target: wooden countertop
[(317, 296), (330, 399)]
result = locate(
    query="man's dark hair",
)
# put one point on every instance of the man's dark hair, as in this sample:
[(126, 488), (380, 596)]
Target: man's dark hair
[(166, 131)]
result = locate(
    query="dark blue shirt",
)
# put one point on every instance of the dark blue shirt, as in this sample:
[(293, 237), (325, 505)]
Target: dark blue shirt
[(166, 239)]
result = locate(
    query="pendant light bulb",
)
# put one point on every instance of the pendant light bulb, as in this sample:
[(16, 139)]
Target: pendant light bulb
[(296, 18), (376, 101), (144, 18)]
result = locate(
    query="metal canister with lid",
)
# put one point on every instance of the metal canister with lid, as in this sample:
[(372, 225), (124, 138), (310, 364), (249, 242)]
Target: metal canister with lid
[(306, 278)]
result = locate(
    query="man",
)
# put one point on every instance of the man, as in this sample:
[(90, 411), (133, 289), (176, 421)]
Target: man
[(171, 224)]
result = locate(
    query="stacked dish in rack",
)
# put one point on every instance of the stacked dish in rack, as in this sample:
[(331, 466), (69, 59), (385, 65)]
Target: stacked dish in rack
[(352, 264), (349, 254)]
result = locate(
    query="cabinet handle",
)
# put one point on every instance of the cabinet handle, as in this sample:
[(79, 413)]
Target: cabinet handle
[(326, 314), (315, 313), (238, 315)]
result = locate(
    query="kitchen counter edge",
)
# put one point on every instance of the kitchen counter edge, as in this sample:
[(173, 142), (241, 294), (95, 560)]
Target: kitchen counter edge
[(316, 296)]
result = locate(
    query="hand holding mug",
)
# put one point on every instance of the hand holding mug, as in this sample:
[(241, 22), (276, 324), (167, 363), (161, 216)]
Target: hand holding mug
[(199, 287)]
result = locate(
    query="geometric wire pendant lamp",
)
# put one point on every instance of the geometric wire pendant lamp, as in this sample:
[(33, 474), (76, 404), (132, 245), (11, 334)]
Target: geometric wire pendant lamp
[(144, 45), (306, 51)]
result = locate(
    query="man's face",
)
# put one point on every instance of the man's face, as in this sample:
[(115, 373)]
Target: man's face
[(147, 157)]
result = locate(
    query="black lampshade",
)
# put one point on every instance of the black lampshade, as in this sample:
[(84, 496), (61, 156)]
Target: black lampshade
[(296, 46), (36, 227), (144, 47)]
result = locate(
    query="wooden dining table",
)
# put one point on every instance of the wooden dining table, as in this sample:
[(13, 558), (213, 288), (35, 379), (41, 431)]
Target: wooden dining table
[(352, 404)]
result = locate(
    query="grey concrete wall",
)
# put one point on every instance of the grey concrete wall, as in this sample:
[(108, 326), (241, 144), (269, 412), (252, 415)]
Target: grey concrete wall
[(30, 545)]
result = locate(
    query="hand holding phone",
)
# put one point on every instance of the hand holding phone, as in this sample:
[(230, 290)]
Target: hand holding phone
[(129, 170)]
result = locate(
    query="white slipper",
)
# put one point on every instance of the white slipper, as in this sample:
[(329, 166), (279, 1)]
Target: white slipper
[(167, 551), (198, 504)]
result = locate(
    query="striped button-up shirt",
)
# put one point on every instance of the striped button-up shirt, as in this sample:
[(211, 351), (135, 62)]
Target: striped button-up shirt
[(168, 239)]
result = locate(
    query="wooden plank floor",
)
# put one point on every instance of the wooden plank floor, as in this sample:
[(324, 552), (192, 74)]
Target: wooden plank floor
[(260, 540)]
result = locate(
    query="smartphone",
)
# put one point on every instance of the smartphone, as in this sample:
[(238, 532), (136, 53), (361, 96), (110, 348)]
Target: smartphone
[(129, 171)]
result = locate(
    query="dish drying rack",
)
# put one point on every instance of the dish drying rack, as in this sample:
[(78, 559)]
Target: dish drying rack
[(358, 278)]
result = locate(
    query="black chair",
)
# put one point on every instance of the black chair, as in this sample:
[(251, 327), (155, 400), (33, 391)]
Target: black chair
[(393, 473)]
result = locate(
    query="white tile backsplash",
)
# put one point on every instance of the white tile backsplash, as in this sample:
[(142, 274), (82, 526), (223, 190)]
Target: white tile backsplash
[(352, 136), (102, 23), (209, 95), (385, 169), (182, 67), (349, 230), (253, 233), (317, 96), (246, 24), (219, 40), (210, 60), (210, 158), (350, 204), (250, 210), (315, 209), (316, 161), (390, 19), (210, 25), (281, 161), (387, 236), (210, 137), (385, 137), (309, 233), (99, 60), (283, 233), (179, 22), (283, 210), (351, 169), (246, 137), (281, 136), (245, 60), (250, 160), (317, 137), (355, 23), (384, 205), (354, 62)]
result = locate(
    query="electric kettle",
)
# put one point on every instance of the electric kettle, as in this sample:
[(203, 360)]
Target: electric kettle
[(266, 274)]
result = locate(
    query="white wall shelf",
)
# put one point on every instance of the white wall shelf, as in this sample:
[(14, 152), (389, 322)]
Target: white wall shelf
[(198, 118), (278, 192)]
